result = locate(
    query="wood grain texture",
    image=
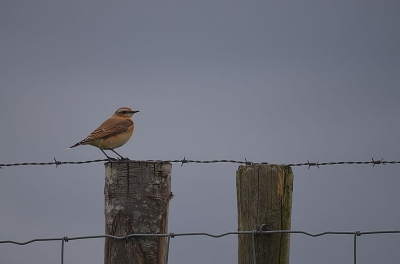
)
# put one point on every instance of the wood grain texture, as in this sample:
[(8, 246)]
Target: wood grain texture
[(264, 196), (137, 196)]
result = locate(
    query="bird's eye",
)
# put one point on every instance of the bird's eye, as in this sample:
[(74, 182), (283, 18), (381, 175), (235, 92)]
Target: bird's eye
[(124, 112)]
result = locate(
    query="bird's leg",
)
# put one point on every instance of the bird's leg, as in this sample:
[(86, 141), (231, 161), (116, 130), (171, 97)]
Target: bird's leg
[(109, 159), (122, 158)]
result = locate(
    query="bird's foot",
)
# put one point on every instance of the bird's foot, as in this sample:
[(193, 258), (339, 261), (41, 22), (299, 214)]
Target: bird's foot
[(123, 159)]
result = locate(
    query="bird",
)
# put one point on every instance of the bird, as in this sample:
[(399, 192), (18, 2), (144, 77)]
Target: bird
[(112, 133)]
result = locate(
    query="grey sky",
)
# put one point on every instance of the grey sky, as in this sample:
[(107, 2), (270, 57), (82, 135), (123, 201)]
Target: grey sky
[(282, 82)]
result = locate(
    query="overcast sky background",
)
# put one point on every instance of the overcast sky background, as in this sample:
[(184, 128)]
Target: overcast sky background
[(275, 81)]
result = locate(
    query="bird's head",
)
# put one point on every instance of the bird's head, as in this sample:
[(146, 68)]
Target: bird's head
[(124, 112)]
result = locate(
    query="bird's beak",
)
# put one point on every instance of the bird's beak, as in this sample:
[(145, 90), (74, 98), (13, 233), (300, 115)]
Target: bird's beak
[(135, 112)]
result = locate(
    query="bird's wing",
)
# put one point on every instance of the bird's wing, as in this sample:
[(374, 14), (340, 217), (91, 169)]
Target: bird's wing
[(109, 128)]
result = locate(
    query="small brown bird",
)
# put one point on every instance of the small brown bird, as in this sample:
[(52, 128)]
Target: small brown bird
[(113, 133)]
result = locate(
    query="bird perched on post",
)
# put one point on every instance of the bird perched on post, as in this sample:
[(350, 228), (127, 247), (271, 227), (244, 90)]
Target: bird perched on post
[(113, 133)]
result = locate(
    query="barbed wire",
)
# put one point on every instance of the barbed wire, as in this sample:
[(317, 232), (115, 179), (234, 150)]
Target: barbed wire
[(187, 161), (253, 233)]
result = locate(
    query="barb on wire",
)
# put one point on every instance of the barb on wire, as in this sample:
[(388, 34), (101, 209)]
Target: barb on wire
[(57, 162), (312, 164), (184, 160), (377, 162)]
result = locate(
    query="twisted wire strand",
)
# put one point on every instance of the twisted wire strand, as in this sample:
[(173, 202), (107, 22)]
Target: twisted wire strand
[(187, 161)]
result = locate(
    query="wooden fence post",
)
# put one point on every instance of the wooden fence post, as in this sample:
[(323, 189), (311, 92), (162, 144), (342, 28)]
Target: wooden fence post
[(137, 197), (264, 196)]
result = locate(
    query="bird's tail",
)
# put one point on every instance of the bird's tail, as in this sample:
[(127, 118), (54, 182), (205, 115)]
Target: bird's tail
[(73, 146)]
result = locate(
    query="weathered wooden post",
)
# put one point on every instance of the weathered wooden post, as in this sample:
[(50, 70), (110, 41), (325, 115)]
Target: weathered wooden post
[(264, 196), (137, 198)]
